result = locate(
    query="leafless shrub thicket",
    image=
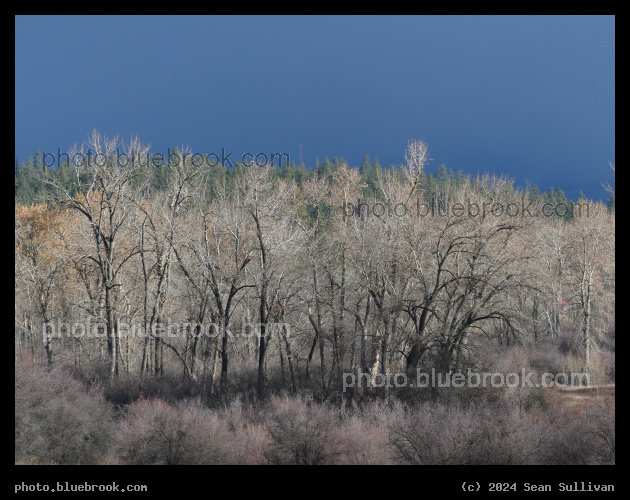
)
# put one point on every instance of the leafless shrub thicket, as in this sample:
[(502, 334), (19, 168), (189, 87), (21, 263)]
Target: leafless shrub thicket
[(59, 421)]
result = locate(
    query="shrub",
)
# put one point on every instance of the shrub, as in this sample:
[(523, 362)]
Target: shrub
[(152, 432), (58, 421), (362, 443), (582, 434), (440, 434), (301, 433)]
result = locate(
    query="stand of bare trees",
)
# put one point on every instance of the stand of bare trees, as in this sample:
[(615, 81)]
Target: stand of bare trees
[(290, 286), (209, 320)]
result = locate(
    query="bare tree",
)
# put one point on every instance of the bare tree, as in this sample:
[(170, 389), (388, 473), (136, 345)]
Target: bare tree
[(105, 192), (213, 258), (416, 157), (590, 248), (161, 217), (271, 204), (39, 267)]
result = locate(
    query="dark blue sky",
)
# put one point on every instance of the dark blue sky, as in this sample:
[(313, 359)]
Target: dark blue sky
[(531, 97)]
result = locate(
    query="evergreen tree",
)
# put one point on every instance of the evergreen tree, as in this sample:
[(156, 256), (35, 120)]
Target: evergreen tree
[(535, 193), (367, 170), (431, 189), (441, 174), (366, 166), (39, 164), (611, 202), (325, 170), (26, 182), (560, 198), (460, 179), (444, 180)]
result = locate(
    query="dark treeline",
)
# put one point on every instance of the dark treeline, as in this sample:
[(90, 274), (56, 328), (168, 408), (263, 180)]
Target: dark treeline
[(30, 189)]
